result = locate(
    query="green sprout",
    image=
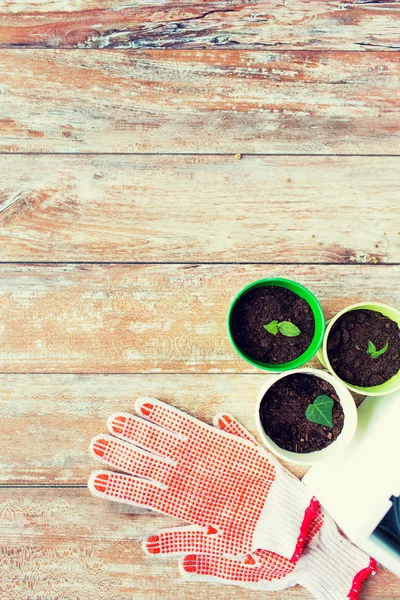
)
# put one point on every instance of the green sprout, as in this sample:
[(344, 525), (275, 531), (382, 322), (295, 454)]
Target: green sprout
[(373, 352), (286, 328)]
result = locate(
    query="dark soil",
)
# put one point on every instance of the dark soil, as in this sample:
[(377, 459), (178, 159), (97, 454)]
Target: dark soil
[(283, 414), (348, 342), (259, 307)]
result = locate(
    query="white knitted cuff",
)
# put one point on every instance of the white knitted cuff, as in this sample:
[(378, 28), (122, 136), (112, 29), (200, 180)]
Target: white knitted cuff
[(332, 568), (285, 519)]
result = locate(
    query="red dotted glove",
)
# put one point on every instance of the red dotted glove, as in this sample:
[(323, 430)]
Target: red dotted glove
[(237, 495), (330, 567)]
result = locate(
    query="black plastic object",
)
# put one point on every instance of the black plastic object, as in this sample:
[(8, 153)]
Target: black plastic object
[(389, 528)]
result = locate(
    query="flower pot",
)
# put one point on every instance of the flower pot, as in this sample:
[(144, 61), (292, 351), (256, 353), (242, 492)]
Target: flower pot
[(345, 436), (387, 387), (317, 313)]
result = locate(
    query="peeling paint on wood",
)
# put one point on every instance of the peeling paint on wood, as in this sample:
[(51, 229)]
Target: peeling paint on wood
[(199, 101), (266, 82), (119, 208), (323, 24), (150, 318)]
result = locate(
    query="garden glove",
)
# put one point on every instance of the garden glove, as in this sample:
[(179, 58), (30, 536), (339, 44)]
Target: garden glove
[(236, 494), (330, 567)]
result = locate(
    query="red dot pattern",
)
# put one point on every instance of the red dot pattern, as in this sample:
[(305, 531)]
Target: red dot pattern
[(181, 541), (146, 435), (131, 460), (213, 479), (265, 566), (230, 425), (268, 567)]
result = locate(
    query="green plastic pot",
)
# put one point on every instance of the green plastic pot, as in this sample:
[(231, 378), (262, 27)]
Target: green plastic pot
[(390, 386), (319, 319)]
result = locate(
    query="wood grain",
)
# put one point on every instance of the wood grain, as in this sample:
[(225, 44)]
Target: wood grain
[(59, 414), (319, 24), (150, 318), (209, 208), (199, 101), (63, 544), (200, 87)]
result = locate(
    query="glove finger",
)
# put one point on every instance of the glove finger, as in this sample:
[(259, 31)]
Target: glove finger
[(264, 573), (227, 423), (128, 490), (182, 540), (167, 416), (233, 570), (144, 434), (130, 459)]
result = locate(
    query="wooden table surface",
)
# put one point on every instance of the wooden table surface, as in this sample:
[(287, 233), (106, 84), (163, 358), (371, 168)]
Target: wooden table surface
[(127, 225)]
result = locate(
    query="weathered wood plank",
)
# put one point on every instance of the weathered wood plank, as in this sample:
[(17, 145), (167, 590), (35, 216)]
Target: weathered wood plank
[(200, 101), (64, 544), (48, 420), (320, 24), (209, 208), (149, 318)]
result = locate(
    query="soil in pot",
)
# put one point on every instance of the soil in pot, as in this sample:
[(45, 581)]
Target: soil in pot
[(283, 413), (348, 345), (261, 306)]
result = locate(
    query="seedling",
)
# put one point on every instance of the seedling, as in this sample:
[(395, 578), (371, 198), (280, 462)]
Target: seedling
[(320, 411), (286, 328), (373, 352)]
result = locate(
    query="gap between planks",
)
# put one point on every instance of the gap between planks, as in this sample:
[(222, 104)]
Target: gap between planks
[(193, 264), (260, 24), (73, 154), (267, 48)]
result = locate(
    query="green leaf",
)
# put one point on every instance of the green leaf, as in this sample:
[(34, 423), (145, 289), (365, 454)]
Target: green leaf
[(373, 352), (272, 327), (320, 411), (288, 329)]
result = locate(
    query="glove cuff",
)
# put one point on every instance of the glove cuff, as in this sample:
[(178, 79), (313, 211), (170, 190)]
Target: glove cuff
[(296, 507), (332, 568)]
